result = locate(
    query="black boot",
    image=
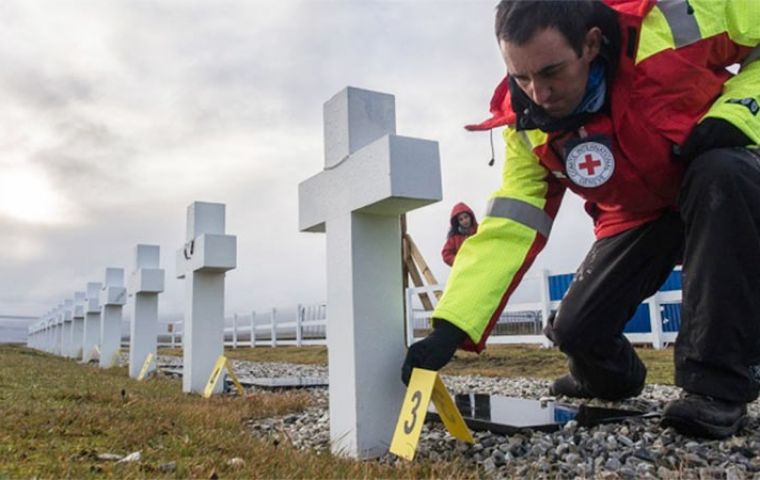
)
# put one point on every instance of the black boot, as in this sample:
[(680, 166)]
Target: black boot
[(570, 387), (566, 385), (702, 416)]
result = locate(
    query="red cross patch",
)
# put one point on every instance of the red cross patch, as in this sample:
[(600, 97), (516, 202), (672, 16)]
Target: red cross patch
[(590, 164)]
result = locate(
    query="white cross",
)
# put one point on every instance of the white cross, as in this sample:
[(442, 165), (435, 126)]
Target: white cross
[(91, 335), (113, 296), (77, 325), (145, 283), (371, 177), (207, 255), (67, 316)]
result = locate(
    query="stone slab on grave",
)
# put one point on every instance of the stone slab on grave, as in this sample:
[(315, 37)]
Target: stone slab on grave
[(283, 382), (508, 415), (113, 297), (145, 283), (203, 261), (371, 177)]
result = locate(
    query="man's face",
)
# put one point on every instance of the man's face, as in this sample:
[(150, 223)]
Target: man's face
[(550, 71)]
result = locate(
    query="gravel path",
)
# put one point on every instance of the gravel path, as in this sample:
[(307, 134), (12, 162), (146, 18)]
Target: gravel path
[(637, 448)]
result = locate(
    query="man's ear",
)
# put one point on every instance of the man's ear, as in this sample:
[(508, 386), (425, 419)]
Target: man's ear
[(592, 43)]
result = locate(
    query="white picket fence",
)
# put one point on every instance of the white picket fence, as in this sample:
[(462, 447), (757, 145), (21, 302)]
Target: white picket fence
[(520, 323), (307, 327)]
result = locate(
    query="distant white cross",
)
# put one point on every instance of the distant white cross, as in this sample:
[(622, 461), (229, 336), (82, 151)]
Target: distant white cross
[(207, 255), (145, 283)]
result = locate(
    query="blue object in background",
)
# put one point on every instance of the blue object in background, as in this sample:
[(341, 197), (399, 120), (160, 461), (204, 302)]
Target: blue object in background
[(640, 321)]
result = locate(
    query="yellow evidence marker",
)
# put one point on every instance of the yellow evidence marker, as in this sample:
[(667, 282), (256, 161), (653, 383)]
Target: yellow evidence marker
[(425, 385), (146, 366), (221, 363)]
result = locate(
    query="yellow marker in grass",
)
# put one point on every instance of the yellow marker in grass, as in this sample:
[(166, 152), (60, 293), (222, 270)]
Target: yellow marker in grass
[(146, 365), (221, 363), (425, 385)]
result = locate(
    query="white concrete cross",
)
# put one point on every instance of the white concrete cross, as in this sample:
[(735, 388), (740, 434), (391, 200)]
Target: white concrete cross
[(113, 296), (207, 255), (145, 283), (58, 340), (67, 314), (371, 177), (77, 325), (91, 334)]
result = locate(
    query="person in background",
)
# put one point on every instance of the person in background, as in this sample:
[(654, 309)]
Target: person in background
[(463, 224)]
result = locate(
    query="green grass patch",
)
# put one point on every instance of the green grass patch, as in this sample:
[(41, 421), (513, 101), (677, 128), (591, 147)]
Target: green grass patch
[(496, 361), (57, 416), (546, 363)]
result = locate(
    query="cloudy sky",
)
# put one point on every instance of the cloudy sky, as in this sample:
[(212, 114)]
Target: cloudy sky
[(116, 115)]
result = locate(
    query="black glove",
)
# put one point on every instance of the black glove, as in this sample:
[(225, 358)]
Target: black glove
[(712, 133), (433, 351)]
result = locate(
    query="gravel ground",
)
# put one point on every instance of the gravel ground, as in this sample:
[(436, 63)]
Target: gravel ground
[(636, 448)]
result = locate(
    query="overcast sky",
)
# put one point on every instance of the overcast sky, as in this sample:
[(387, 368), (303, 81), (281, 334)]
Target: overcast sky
[(116, 115)]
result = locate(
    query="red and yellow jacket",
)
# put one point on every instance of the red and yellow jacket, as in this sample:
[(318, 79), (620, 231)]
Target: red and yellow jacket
[(670, 74)]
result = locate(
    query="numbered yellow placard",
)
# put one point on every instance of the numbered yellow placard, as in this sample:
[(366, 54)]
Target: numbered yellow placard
[(425, 385), (146, 366), (221, 364)]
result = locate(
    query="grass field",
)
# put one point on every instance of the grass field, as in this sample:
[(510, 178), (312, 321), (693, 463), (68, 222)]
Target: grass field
[(495, 361), (57, 417)]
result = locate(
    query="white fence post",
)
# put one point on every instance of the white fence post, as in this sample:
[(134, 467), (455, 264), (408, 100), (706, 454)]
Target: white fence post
[(546, 308), (273, 327), (234, 330), (299, 325), (253, 328), (409, 317), (655, 320)]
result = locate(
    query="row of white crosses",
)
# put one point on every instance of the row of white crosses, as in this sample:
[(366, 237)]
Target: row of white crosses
[(88, 326), (371, 177), (90, 323)]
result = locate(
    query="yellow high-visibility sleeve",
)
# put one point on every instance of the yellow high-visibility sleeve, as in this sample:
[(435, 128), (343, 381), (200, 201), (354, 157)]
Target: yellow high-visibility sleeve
[(513, 231)]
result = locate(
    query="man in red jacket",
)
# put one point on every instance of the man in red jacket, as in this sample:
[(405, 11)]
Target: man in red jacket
[(463, 225), (628, 104)]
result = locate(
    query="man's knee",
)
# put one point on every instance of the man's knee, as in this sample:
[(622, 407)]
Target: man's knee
[(565, 330), (710, 173)]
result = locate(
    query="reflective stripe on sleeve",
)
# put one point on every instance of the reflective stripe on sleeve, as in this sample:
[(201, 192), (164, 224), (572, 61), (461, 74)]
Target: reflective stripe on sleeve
[(521, 212), (681, 20)]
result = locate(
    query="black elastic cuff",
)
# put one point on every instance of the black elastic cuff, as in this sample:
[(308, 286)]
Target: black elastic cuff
[(449, 331)]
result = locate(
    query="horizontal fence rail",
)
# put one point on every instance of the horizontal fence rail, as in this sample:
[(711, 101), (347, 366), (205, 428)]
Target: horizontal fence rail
[(656, 321)]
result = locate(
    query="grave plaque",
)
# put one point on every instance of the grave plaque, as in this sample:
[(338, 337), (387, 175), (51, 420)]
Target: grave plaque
[(113, 297), (145, 283), (207, 255), (371, 177), (509, 415)]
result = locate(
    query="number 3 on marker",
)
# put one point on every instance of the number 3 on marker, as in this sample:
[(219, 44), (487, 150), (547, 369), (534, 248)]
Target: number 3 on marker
[(417, 399)]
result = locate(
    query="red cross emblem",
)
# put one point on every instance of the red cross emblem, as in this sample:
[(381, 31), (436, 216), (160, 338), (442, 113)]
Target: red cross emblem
[(589, 164)]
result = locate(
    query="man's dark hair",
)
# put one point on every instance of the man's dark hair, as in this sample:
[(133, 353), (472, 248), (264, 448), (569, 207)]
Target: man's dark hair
[(518, 20)]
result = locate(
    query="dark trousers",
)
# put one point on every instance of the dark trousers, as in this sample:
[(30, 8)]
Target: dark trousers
[(717, 234)]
